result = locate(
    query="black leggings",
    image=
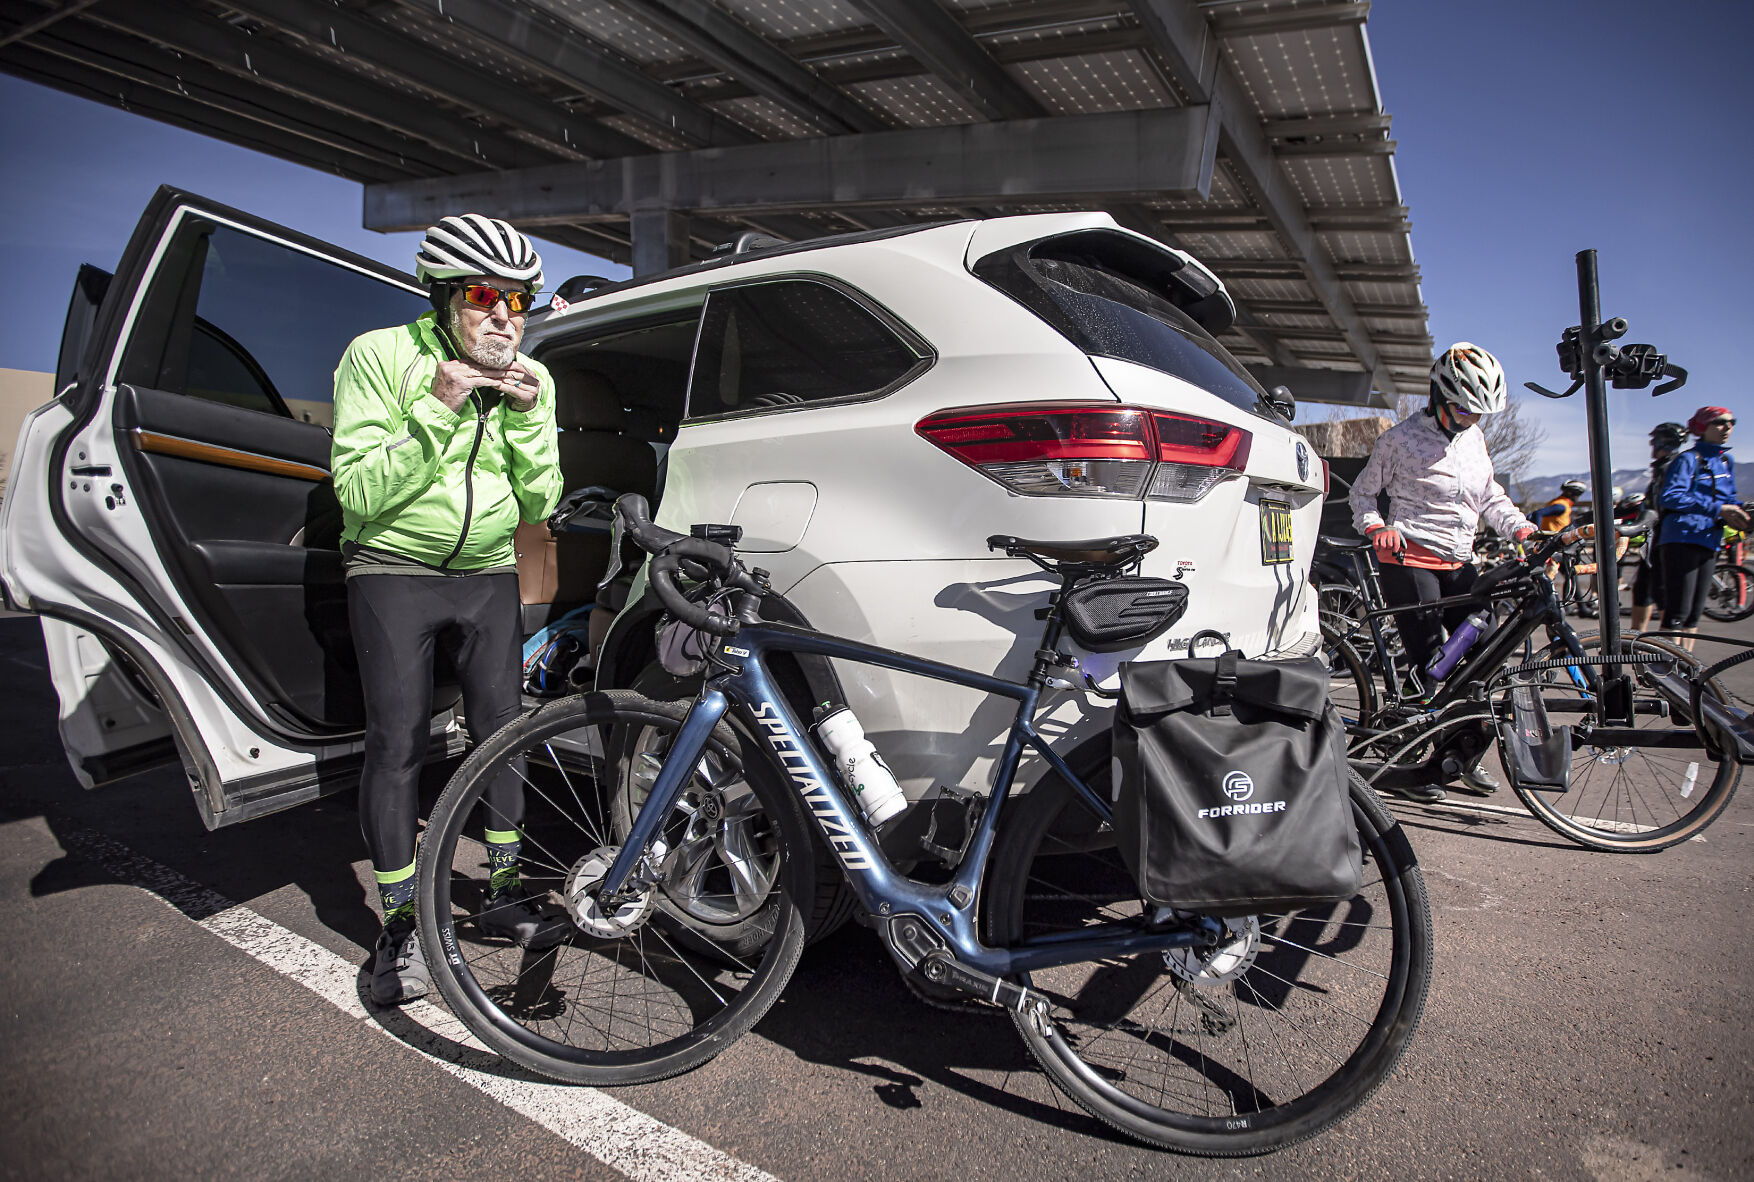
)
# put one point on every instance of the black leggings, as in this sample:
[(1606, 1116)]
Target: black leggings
[(1686, 572), (1413, 584), (397, 622)]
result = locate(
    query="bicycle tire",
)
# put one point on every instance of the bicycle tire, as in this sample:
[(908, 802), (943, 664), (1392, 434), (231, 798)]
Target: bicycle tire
[(1056, 869), (1732, 586), (555, 1011), (1350, 685), (1630, 809)]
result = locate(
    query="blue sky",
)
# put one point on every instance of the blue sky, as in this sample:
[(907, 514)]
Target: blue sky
[(1526, 131)]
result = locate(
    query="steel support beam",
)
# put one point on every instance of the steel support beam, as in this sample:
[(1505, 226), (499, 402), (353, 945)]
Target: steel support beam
[(660, 241), (1189, 51), (278, 65), (1228, 268), (439, 73), (937, 40), (1322, 385), (26, 61), (1291, 20), (564, 52), (1123, 156), (37, 24), (379, 151), (1366, 123), (1306, 308), (755, 62)]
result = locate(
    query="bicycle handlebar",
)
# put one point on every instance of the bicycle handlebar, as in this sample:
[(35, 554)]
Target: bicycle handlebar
[(674, 553)]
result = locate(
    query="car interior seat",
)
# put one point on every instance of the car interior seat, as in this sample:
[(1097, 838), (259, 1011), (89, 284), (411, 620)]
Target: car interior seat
[(556, 575)]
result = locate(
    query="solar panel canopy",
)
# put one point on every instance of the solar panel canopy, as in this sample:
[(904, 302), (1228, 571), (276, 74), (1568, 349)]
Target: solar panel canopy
[(1249, 133)]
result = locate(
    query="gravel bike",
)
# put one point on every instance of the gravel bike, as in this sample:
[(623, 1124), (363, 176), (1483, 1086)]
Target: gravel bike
[(1634, 776), (679, 838)]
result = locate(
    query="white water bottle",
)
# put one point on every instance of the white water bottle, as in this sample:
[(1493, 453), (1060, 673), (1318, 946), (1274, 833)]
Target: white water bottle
[(860, 766)]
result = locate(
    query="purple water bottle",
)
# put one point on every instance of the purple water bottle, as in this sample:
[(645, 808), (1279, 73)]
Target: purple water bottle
[(1458, 644)]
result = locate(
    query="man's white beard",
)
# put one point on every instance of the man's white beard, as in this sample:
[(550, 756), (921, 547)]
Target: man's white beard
[(492, 352)]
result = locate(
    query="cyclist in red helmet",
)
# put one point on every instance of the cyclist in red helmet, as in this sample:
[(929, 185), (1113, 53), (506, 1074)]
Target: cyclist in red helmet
[(1698, 499)]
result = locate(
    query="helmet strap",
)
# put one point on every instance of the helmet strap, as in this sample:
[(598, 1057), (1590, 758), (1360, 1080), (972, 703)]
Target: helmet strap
[(1436, 407)]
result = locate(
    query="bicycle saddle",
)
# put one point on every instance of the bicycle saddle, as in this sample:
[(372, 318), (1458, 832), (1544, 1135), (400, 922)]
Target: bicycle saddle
[(1344, 543), (1117, 551)]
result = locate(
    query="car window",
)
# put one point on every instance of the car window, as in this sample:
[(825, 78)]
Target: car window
[(239, 319), (1109, 315), (765, 346)]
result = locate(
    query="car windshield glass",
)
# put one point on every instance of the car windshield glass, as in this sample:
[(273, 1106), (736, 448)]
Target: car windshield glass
[(1115, 317)]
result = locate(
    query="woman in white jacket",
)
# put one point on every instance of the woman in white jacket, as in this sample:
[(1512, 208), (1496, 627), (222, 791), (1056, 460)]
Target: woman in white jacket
[(1438, 476)]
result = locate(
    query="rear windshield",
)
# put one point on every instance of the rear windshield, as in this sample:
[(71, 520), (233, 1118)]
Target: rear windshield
[(1108, 315)]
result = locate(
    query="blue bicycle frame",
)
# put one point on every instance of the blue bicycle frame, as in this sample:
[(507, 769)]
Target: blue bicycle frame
[(950, 909)]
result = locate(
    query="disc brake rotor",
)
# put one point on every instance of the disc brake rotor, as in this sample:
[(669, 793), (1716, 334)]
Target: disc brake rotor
[(1233, 956), (586, 909)]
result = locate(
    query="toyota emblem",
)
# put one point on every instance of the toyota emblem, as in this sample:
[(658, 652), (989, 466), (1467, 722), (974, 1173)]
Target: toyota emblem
[(1302, 460)]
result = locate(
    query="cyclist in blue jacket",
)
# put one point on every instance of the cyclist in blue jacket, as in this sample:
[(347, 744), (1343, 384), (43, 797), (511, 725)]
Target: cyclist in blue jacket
[(1698, 499)]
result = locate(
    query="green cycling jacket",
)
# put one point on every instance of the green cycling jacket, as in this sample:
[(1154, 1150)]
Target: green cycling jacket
[(417, 479)]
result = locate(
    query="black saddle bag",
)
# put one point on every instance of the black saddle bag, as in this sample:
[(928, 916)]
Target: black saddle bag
[(1231, 788)]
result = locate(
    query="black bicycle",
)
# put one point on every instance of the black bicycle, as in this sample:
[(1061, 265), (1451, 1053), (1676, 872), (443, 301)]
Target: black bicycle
[(1629, 766), (685, 841)]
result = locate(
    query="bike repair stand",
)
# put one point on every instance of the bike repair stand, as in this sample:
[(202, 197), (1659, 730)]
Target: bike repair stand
[(1588, 355)]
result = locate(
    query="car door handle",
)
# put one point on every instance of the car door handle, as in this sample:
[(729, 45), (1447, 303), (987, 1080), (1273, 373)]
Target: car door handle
[(92, 470)]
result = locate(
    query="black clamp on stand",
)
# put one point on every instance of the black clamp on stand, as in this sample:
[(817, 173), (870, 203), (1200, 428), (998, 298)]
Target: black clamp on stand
[(1589, 356)]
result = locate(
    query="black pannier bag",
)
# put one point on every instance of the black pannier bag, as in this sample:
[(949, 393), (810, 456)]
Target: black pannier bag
[(1231, 790), (1107, 616)]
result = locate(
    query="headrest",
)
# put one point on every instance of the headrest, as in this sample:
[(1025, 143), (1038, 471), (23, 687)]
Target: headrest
[(585, 400)]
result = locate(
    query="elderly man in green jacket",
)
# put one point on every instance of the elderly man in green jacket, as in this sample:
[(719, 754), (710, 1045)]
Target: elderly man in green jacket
[(444, 439)]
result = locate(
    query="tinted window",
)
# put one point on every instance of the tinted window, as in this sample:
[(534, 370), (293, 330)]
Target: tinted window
[(778, 344), (1108, 315), (242, 320)]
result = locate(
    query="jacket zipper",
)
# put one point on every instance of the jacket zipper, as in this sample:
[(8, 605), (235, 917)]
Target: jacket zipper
[(469, 481)]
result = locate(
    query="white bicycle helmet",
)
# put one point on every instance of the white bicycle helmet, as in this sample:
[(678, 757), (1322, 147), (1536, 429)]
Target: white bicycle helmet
[(470, 244), (1469, 377)]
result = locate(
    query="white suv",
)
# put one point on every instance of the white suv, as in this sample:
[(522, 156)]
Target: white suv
[(868, 409)]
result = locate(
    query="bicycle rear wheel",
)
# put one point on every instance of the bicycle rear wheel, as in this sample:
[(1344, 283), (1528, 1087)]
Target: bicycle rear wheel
[(1350, 686), (1731, 597), (1633, 798), (655, 986), (1267, 1041)]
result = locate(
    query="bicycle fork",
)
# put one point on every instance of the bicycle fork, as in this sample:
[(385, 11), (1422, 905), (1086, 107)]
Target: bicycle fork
[(679, 764)]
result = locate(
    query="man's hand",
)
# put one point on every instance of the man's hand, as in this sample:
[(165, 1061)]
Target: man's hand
[(1387, 541), (1734, 516), (457, 378), (1524, 532)]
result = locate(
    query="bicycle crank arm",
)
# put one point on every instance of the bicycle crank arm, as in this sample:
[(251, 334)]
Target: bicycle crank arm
[(919, 951)]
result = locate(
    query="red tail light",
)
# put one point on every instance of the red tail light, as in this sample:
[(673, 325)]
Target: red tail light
[(1104, 451)]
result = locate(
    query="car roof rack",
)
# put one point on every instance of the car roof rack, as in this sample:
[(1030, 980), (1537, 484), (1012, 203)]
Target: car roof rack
[(747, 241)]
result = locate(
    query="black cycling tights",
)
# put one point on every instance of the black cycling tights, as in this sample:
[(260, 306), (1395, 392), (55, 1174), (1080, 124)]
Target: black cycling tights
[(397, 621), (1686, 582), (1413, 584)]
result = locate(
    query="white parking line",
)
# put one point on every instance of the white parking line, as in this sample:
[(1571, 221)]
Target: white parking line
[(619, 1136)]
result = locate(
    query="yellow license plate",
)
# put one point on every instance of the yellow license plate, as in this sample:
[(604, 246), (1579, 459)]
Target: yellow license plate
[(1275, 532)]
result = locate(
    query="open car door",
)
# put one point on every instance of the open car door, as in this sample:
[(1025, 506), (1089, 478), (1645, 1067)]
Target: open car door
[(171, 516)]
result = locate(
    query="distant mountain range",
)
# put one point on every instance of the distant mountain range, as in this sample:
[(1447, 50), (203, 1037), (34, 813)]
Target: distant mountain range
[(1538, 490)]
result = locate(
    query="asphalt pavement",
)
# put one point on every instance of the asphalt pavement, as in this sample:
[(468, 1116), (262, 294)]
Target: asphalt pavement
[(179, 1003)]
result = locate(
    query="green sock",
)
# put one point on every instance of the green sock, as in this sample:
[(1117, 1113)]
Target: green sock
[(396, 892), (502, 858)]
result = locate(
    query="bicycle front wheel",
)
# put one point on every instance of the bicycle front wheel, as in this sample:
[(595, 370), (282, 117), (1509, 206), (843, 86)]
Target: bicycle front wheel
[(1636, 796), (642, 989), (1267, 1040), (1350, 686)]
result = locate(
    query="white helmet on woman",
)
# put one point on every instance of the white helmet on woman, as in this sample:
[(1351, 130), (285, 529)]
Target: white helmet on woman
[(1470, 378), (470, 244)]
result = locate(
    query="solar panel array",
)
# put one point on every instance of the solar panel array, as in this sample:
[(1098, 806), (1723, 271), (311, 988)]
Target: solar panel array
[(1303, 219)]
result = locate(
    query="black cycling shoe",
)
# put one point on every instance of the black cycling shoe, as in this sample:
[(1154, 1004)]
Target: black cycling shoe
[(528, 920), (399, 972), (1420, 793)]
